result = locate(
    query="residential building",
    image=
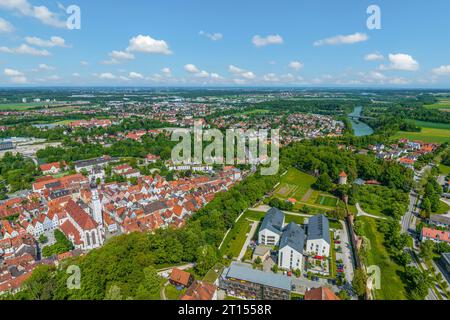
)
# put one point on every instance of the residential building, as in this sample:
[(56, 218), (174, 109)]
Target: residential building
[(290, 254), (322, 293), (435, 235), (240, 280), (200, 290), (181, 278), (318, 242), (271, 228)]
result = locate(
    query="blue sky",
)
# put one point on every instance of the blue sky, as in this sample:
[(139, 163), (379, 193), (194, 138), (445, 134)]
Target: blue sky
[(225, 43)]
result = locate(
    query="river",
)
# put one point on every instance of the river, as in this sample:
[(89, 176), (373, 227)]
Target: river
[(360, 128)]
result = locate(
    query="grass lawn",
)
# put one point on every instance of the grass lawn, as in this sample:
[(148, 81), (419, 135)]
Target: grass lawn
[(392, 287), (431, 132), (294, 184), (236, 238), (327, 201), (20, 106), (172, 293), (296, 219), (256, 111), (443, 208), (441, 105), (212, 275), (335, 225), (444, 169)]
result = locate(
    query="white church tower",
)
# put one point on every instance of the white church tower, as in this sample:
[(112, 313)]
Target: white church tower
[(96, 207)]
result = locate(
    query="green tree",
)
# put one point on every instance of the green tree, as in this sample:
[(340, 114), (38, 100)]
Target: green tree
[(114, 293), (206, 258), (359, 282), (150, 285), (427, 250), (323, 183), (43, 239), (41, 284)]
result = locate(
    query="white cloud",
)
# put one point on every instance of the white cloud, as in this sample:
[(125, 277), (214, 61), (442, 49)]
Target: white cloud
[(296, 65), (213, 36), (216, 76), (5, 26), (373, 57), (191, 68), (41, 13), (76, 75), (271, 77), (343, 39), (12, 73), (53, 42), (84, 63), (241, 72), (166, 72), (239, 81), (135, 76), (15, 76), (202, 74), (25, 49), (264, 41), (248, 75), (121, 55), (43, 66), (398, 81), (106, 76), (401, 61), (118, 57), (442, 70), (147, 44)]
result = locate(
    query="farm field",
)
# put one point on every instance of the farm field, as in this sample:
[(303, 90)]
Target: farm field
[(431, 132), (20, 106), (297, 185), (392, 287), (443, 105), (294, 184)]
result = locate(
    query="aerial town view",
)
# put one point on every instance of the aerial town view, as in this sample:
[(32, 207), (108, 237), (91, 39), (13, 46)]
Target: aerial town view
[(155, 151)]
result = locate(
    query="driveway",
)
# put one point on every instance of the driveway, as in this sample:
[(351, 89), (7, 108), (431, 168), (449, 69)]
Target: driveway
[(347, 253), (247, 241)]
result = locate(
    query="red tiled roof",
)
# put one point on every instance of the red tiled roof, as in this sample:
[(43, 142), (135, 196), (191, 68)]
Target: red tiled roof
[(322, 293), (69, 230), (180, 276), (436, 234), (200, 291), (84, 220)]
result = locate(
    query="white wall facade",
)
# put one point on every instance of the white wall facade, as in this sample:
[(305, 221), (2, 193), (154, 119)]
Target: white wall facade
[(290, 259), (318, 247), (268, 238)]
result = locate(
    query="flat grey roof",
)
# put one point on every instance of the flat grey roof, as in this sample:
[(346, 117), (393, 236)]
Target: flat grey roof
[(261, 250), (241, 272)]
